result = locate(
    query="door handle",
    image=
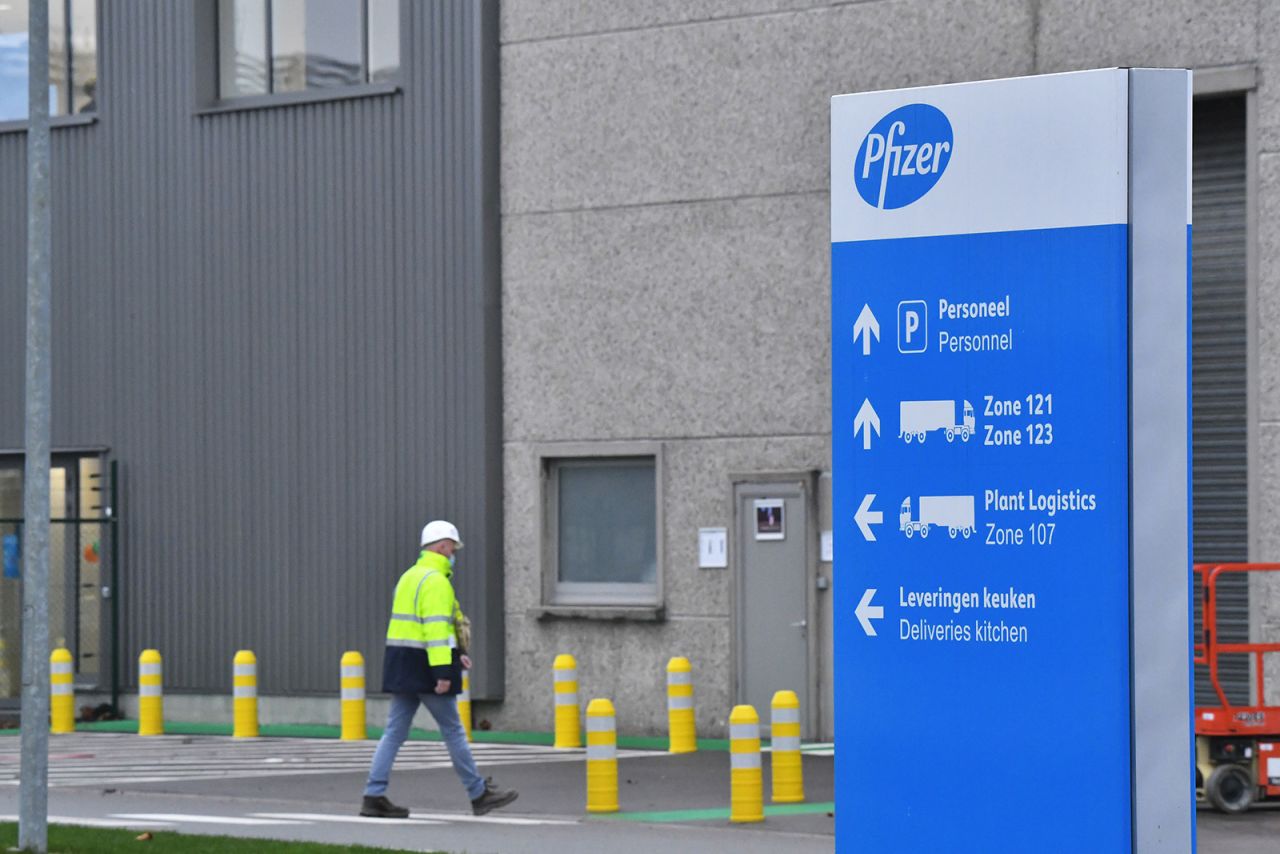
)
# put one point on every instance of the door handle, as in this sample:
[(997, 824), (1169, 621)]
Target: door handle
[(803, 624)]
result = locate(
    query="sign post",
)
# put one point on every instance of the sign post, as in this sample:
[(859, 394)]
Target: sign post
[(1010, 285)]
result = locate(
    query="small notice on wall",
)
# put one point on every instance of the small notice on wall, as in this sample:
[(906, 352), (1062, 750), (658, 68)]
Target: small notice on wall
[(771, 522), (713, 552)]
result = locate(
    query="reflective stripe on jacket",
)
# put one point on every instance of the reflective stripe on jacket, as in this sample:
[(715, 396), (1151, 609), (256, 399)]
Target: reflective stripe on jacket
[(421, 637)]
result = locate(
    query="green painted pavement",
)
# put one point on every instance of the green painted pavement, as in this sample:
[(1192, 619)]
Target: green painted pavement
[(628, 742)]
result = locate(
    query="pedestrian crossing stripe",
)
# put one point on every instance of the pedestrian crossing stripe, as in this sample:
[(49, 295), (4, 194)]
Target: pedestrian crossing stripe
[(145, 821), (87, 759), (85, 821)]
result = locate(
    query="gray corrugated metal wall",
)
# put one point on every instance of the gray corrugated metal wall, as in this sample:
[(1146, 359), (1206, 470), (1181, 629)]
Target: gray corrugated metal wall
[(1220, 459), (284, 324)]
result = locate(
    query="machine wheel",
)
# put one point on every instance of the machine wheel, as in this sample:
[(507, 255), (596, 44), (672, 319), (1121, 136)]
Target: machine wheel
[(906, 437), (920, 437), (924, 531), (951, 435), (908, 531), (968, 532), (1230, 788), (952, 531), (964, 433)]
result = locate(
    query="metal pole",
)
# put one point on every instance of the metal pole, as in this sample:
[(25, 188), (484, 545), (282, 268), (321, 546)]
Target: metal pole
[(114, 526), (34, 788)]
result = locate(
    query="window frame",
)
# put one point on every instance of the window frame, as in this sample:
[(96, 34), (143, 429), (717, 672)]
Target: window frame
[(209, 98), (72, 119), (610, 600)]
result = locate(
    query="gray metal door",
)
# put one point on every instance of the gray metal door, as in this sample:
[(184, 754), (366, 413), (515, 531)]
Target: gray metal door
[(772, 595), (1220, 458)]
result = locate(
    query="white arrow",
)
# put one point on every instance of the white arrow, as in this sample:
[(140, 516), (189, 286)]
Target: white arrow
[(866, 326), (865, 517), (866, 612), (866, 420)]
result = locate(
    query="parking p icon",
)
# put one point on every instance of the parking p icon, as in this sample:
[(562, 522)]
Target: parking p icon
[(913, 326)]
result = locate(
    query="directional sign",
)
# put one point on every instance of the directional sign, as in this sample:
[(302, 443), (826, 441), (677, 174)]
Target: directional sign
[(866, 328), (865, 421), (866, 612), (1031, 417), (866, 517)]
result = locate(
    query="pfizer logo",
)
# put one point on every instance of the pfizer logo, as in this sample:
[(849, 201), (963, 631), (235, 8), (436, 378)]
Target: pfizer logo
[(903, 156)]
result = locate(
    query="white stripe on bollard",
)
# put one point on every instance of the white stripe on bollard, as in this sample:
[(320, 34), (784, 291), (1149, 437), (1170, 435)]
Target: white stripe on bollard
[(782, 715), (602, 751), (785, 742)]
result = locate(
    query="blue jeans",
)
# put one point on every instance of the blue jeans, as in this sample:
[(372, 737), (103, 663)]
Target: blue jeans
[(444, 708)]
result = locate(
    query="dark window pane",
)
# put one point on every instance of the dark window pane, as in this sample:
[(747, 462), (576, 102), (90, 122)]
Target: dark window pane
[(316, 44), (384, 40), (84, 55), (242, 47), (607, 529)]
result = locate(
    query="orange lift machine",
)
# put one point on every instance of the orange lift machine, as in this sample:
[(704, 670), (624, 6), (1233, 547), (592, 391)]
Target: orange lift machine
[(1237, 747)]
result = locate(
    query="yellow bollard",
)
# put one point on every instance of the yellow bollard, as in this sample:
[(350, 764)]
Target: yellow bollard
[(244, 682), (602, 757), (784, 761), (746, 783), (565, 674), (354, 722), (150, 694), (682, 734), (62, 698), (464, 703)]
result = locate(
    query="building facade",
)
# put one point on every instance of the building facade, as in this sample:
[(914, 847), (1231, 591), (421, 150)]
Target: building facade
[(275, 272), (556, 271), (666, 291)]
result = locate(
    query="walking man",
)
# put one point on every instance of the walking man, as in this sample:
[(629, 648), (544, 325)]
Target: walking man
[(423, 664)]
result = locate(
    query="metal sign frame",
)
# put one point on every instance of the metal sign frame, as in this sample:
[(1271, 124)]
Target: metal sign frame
[(1010, 309)]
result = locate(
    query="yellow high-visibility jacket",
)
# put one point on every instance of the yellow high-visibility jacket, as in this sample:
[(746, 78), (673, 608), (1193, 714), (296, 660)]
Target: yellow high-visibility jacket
[(422, 640)]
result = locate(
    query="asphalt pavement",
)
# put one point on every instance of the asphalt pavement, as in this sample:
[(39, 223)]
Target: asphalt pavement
[(309, 789)]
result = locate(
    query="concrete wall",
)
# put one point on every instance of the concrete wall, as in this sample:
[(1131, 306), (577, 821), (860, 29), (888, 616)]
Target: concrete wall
[(665, 225)]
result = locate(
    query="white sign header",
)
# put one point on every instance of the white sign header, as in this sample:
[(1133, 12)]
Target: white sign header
[(938, 160)]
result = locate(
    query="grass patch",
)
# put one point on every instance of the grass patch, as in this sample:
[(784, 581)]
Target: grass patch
[(68, 839)]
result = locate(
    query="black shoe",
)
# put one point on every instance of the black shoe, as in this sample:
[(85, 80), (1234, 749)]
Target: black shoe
[(492, 799), (377, 806)]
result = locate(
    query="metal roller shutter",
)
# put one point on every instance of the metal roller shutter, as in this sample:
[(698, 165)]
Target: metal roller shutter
[(1219, 427)]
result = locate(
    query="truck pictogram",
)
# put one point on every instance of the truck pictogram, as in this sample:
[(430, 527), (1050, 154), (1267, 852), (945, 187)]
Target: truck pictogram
[(918, 418), (954, 513)]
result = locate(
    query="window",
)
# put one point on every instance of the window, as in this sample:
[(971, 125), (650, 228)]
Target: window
[(78, 527), (73, 58), (602, 515), (268, 47)]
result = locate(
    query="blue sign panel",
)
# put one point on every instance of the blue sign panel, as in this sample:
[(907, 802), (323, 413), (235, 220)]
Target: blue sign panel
[(981, 419), (986, 538)]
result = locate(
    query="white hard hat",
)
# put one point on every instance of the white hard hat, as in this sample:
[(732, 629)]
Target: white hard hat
[(440, 530)]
